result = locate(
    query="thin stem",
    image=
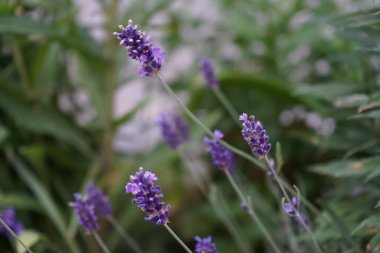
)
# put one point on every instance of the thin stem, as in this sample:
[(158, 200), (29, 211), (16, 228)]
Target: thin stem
[(228, 146), (129, 240), (205, 128), (14, 235), (252, 212), (216, 202), (177, 238), (110, 80), (101, 243), (298, 216), (226, 103)]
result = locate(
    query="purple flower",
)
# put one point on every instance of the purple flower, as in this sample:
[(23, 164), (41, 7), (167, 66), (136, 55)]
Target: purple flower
[(141, 48), (173, 129), (85, 213), (9, 217), (99, 200), (293, 209), (255, 135), (222, 157), (205, 245), (208, 73), (148, 196)]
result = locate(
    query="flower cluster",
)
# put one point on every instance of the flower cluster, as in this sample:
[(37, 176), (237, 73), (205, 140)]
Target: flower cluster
[(141, 48), (222, 157), (255, 135), (173, 129), (9, 217), (293, 209), (205, 245), (87, 207), (148, 196), (85, 213), (99, 200), (208, 73)]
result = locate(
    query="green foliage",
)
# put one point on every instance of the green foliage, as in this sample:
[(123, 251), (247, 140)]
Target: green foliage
[(61, 73)]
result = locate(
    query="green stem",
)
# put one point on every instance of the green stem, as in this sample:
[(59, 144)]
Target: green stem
[(226, 103), (177, 238), (216, 203), (14, 235), (205, 128), (252, 212), (110, 81), (298, 216), (101, 243), (230, 147), (20, 65), (127, 238)]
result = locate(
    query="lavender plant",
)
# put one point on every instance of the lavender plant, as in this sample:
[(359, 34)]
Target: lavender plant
[(11, 227), (85, 212), (205, 245), (148, 196)]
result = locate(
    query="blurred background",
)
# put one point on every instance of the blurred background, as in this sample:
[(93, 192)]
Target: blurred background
[(73, 109)]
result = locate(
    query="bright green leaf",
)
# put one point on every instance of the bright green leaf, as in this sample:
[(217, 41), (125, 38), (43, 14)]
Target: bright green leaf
[(29, 238)]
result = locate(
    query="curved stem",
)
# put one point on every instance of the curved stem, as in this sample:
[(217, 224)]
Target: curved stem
[(14, 235), (226, 103), (177, 238), (252, 212), (129, 240), (101, 243), (285, 194), (227, 145)]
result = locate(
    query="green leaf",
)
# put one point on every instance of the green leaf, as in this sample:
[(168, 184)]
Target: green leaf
[(374, 244), (29, 238), (329, 92), (25, 25), (370, 222), (374, 114), (348, 168), (40, 192), (44, 120), (19, 201), (279, 157), (3, 133), (44, 70)]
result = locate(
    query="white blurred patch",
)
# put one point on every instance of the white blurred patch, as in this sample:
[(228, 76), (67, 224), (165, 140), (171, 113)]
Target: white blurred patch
[(299, 54), (91, 15), (322, 67), (327, 127), (287, 118), (140, 134), (300, 19)]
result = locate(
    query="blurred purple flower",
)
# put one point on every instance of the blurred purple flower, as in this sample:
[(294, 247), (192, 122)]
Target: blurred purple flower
[(148, 196), (141, 48), (208, 73), (221, 156), (99, 200), (173, 129), (292, 209), (9, 217), (85, 213), (205, 245), (255, 135)]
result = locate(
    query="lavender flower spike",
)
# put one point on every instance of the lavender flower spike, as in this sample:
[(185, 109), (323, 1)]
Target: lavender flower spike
[(205, 245), (148, 196), (173, 129), (255, 135), (141, 48), (85, 213), (222, 157), (9, 217), (99, 200), (292, 209), (208, 73)]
